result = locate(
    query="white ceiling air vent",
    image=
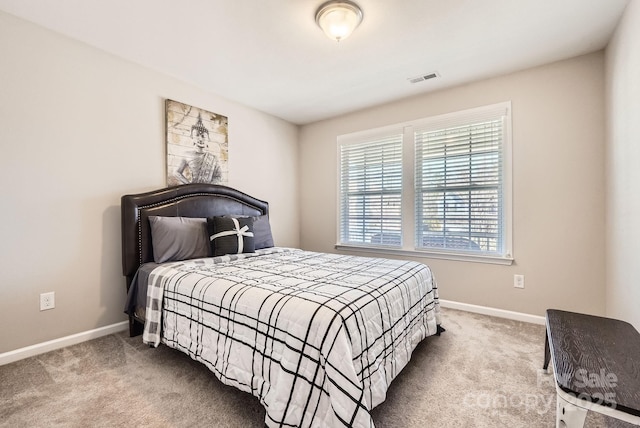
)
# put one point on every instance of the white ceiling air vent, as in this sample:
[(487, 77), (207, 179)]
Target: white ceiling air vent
[(423, 77)]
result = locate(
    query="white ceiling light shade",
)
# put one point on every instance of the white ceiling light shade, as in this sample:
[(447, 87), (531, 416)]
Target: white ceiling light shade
[(338, 18)]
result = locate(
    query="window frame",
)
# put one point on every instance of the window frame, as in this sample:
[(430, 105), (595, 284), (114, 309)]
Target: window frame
[(408, 207), (392, 136)]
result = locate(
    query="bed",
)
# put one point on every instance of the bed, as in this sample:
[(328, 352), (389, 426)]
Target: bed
[(316, 337)]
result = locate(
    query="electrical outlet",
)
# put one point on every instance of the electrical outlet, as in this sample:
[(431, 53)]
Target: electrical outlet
[(47, 301), (518, 281)]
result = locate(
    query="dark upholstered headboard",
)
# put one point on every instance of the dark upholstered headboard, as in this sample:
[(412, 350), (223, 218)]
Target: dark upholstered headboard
[(189, 200)]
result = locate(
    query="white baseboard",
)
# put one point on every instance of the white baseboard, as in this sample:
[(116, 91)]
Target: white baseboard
[(41, 348), (501, 313), (52, 345)]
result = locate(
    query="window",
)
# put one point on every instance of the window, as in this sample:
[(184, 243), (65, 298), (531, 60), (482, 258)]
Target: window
[(439, 185), (371, 191)]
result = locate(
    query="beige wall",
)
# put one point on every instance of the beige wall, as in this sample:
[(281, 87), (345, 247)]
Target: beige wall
[(78, 129), (558, 169), (623, 169)]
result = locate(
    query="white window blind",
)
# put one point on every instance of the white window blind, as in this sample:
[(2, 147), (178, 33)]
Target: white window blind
[(371, 192), (438, 186), (459, 203)]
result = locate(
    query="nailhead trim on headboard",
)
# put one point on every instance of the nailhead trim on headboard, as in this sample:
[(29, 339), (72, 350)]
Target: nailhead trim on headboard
[(173, 200)]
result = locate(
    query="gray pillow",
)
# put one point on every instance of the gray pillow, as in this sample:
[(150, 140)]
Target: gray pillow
[(262, 237), (179, 238)]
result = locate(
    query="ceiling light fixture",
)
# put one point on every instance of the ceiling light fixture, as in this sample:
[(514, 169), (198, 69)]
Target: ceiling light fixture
[(338, 18)]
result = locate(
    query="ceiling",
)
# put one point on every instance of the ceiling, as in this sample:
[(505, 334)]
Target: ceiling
[(270, 55)]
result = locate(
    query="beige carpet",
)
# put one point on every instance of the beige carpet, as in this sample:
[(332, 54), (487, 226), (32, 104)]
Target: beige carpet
[(482, 372)]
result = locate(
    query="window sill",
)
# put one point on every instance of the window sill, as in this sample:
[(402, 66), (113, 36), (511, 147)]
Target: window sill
[(443, 255)]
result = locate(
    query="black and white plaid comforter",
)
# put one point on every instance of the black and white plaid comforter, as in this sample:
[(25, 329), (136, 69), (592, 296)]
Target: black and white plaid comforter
[(316, 337)]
